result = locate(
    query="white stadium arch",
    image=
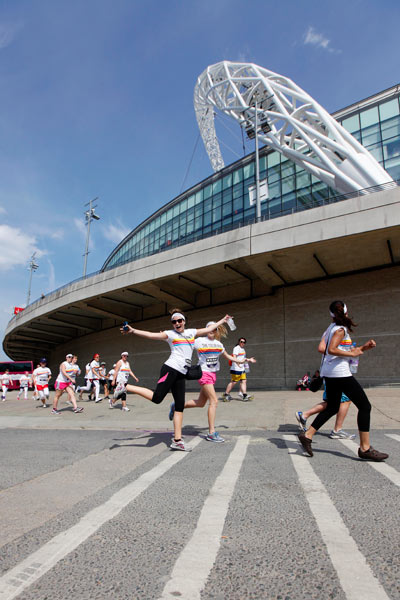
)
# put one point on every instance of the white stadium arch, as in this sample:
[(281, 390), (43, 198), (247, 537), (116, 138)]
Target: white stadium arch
[(288, 120)]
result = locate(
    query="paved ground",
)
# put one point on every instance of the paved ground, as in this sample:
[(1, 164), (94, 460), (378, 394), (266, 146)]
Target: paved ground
[(96, 506)]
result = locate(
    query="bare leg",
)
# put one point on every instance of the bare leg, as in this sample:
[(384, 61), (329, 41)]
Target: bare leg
[(243, 386), (56, 398), (140, 391), (340, 417), (317, 408), (229, 387), (178, 419), (364, 440), (71, 395), (199, 402)]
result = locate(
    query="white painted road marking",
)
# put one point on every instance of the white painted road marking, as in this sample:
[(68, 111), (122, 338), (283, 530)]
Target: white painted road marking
[(196, 560), (394, 436), (381, 467), (355, 575), (37, 564)]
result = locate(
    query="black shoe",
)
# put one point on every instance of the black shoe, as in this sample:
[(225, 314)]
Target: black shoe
[(306, 443), (372, 454)]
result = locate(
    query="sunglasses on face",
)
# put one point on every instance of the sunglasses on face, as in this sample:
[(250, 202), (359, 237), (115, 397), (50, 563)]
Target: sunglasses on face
[(177, 321), (242, 342)]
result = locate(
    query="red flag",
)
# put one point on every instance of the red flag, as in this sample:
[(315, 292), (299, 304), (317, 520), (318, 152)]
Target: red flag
[(17, 309)]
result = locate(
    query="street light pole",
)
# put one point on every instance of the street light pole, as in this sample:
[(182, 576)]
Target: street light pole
[(32, 267), (258, 202), (89, 215)]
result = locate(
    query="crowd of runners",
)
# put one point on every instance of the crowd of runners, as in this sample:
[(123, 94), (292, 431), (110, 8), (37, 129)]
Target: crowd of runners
[(336, 346)]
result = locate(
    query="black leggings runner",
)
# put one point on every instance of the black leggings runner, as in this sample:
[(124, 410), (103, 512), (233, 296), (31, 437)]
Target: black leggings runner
[(353, 390), (172, 381)]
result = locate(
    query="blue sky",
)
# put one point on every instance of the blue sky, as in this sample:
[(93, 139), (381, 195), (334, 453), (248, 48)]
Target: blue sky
[(97, 94)]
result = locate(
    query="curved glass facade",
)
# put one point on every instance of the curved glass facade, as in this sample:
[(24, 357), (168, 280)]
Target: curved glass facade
[(221, 202)]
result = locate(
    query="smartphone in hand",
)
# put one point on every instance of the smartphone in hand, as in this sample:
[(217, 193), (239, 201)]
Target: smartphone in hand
[(125, 326)]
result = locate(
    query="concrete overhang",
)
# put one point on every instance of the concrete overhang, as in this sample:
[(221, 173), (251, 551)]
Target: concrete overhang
[(350, 236)]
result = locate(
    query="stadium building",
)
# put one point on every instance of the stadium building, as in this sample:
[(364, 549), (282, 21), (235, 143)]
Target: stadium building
[(208, 252)]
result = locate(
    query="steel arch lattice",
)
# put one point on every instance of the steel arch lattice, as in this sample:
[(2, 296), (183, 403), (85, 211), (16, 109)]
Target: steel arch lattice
[(289, 120)]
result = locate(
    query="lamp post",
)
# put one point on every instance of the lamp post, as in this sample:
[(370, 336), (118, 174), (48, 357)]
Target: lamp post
[(32, 267), (89, 216)]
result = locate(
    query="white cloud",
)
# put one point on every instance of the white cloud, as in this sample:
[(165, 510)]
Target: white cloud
[(7, 33), (115, 233), (16, 247), (314, 38)]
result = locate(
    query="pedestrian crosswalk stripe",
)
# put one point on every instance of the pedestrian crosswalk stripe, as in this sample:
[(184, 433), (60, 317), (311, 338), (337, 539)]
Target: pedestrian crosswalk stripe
[(354, 573), (394, 436), (382, 467), (196, 560), (38, 563)]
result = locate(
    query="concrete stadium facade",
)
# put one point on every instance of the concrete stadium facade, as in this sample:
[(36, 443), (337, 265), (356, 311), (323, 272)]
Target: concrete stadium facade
[(276, 276)]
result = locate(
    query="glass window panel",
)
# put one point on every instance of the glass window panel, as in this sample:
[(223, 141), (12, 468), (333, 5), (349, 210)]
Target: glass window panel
[(227, 209), (207, 192), (190, 227), (237, 205), (198, 211), (217, 199), (182, 230), (198, 223), (288, 184), (390, 128), (163, 218), (227, 196), (274, 189), (288, 202), (190, 213), (227, 221), (391, 149), (369, 117), (199, 196), (287, 168), (169, 214), (182, 219), (392, 166), (207, 204), (191, 201), (248, 170), (217, 186), (376, 152), (274, 206), (216, 214), (183, 206), (357, 135), (175, 211), (238, 190), (371, 135), (320, 192), (352, 124), (238, 175), (389, 109), (303, 179), (263, 163), (227, 181), (273, 159), (304, 198)]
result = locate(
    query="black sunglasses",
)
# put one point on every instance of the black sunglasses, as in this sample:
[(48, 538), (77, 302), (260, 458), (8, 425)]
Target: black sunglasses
[(242, 342), (177, 321)]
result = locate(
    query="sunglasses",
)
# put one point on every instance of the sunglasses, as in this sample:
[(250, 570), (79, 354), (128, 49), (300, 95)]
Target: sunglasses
[(242, 342), (177, 321)]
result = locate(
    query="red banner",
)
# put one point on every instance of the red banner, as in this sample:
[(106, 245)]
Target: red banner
[(17, 310)]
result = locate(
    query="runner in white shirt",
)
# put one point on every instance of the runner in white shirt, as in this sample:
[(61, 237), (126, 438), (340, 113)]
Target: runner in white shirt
[(172, 376), (96, 376), (41, 377), (238, 372), (104, 380), (209, 350), (5, 383), (24, 383), (65, 382), (120, 379)]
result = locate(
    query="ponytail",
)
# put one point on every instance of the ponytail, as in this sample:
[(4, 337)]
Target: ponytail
[(338, 311)]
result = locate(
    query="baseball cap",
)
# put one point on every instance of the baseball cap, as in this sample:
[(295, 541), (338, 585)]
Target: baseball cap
[(103, 363), (43, 360)]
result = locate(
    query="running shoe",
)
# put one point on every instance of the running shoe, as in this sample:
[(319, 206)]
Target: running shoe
[(301, 420), (247, 397), (126, 408), (98, 400), (44, 405), (78, 409), (214, 437), (171, 411), (306, 443), (54, 411), (180, 445), (110, 403), (226, 397), (341, 435), (372, 454)]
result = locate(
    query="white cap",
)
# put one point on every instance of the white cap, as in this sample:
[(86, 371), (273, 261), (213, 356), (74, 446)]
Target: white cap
[(210, 323), (69, 356), (124, 353)]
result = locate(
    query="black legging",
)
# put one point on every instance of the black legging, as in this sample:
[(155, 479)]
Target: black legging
[(172, 381), (353, 390)]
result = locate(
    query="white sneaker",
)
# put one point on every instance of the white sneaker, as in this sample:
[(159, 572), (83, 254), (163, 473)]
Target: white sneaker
[(110, 404), (98, 400), (179, 446), (126, 408)]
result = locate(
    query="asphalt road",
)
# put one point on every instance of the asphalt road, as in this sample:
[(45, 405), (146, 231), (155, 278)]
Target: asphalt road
[(101, 514)]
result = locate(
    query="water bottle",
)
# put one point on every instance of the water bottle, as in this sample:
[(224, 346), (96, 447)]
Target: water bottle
[(354, 361), (231, 324), (125, 326)]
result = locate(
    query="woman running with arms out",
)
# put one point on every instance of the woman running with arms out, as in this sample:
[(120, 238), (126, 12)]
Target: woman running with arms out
[(335, 370), (209, 350), (173, 371), (120, 379)]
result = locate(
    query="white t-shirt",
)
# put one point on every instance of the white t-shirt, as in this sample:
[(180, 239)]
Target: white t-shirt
[(42, 375), (24, 381), (208, 352), (88, 372), (240, 353), (69, 369), (336, 366), (181, 345), (5, 379), (111, 374), (94, 365), (75, 371), (123, 373)]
